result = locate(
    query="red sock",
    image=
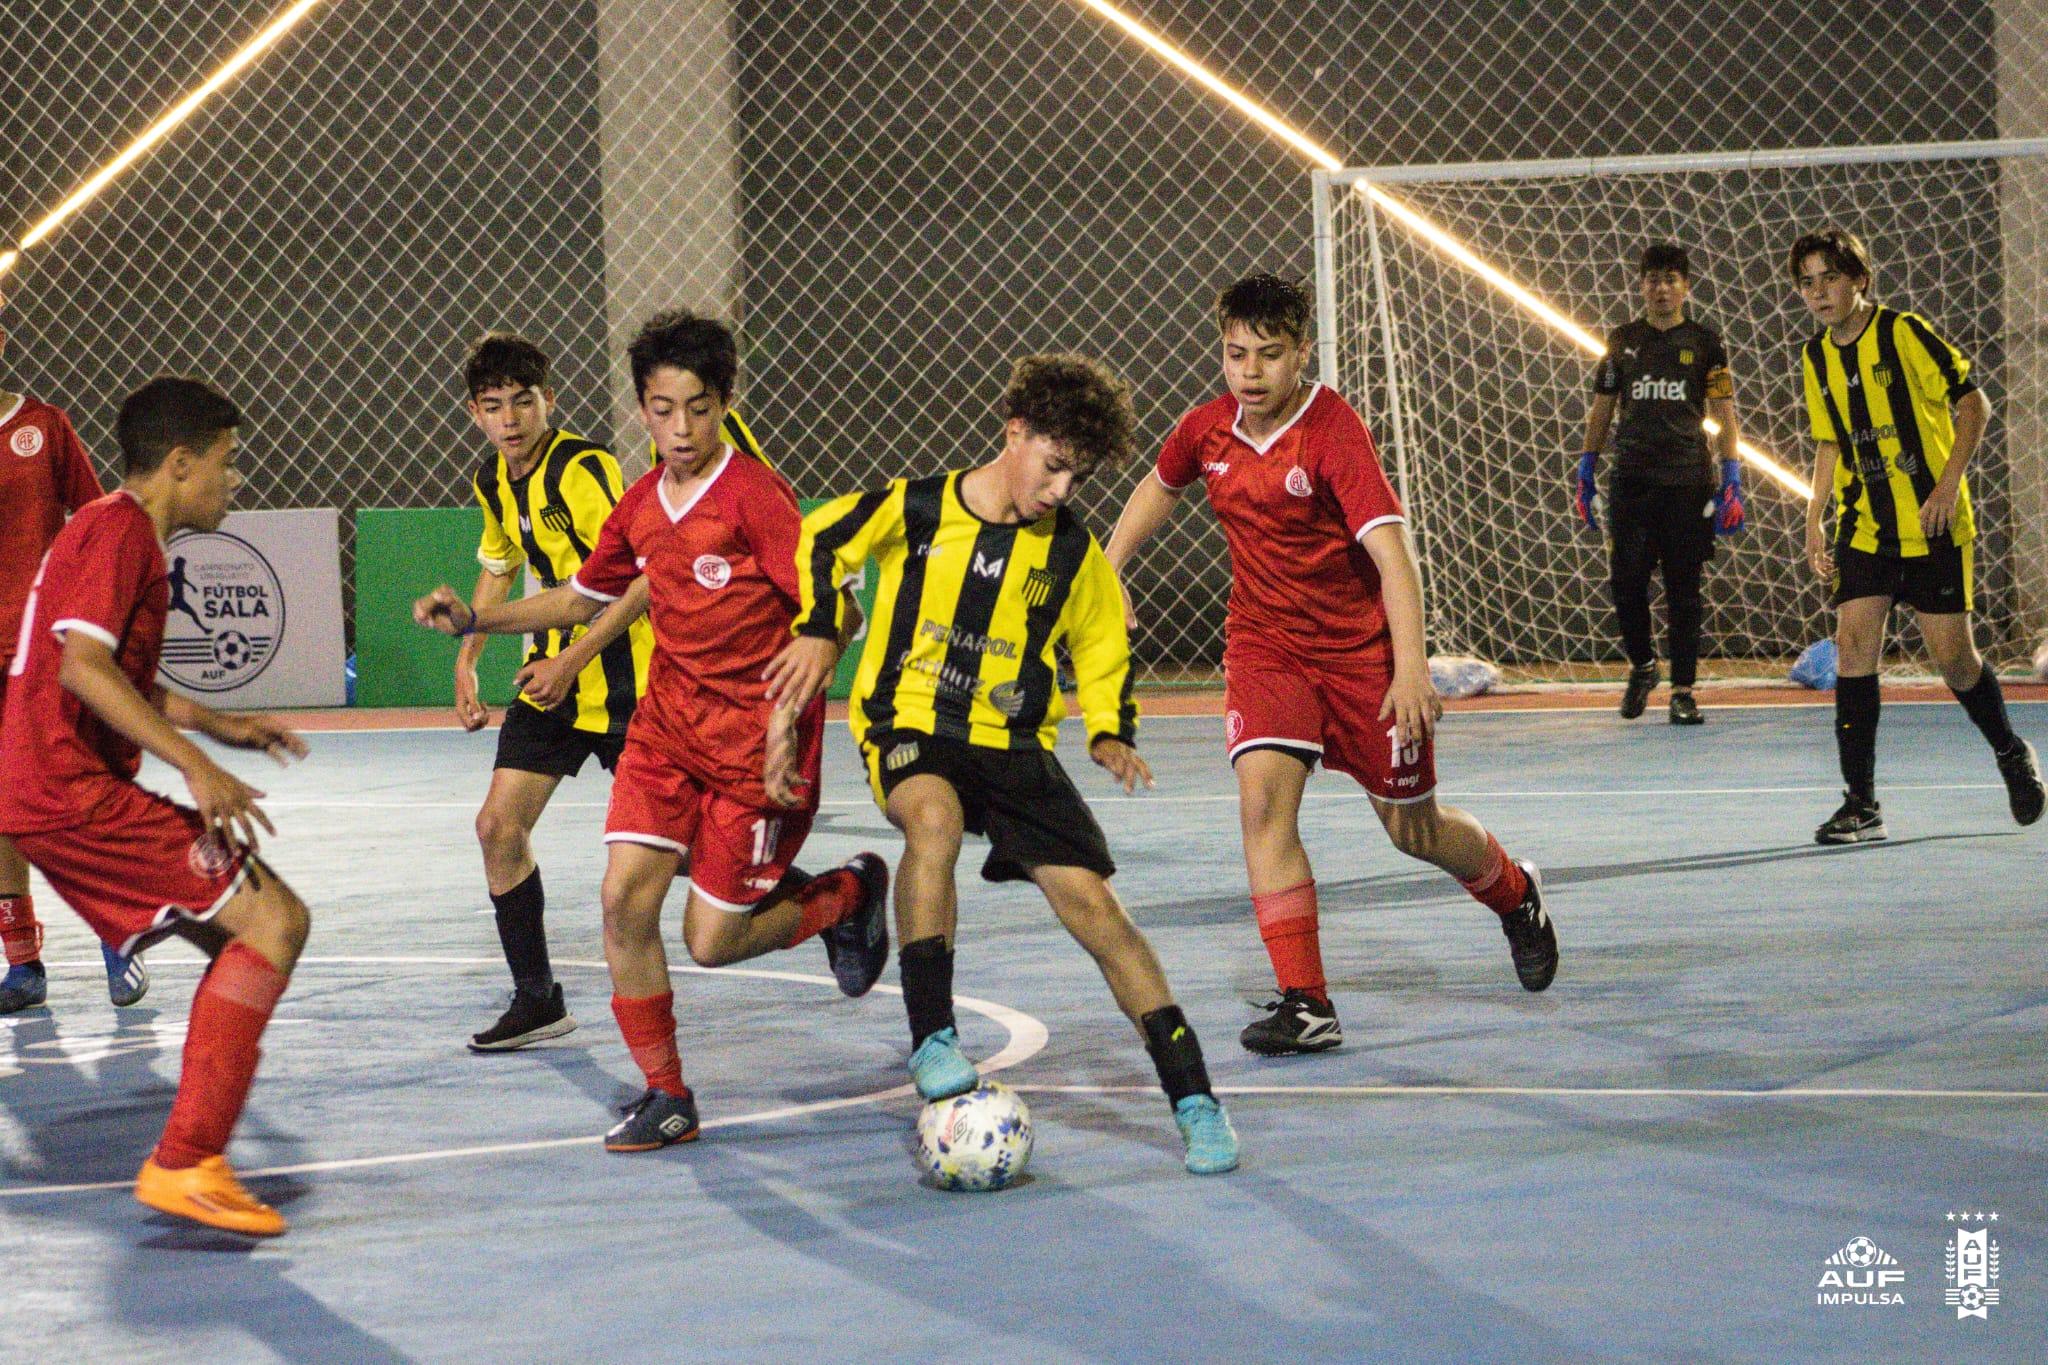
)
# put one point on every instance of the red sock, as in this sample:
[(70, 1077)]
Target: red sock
[(1287, 921), (649, 1024), (19, 932), (229, 1010), (824, 902), (1501, 887)]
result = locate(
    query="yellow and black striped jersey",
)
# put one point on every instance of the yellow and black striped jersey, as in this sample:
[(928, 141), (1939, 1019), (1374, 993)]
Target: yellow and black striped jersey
[(966, 616), (1884, 402), (549, 520), (736, 433)]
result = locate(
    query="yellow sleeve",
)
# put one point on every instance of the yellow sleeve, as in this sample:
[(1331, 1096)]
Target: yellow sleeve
[(1816, 401), (497, 551), (741, 436), (1938, 370), (591, 491), (1093, 621), (837, 539)]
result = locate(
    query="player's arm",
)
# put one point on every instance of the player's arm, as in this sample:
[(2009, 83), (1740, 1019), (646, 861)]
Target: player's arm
[(1411, 698), (547, 682), (1599, 418), (1148, 508), (89, 672), (491, 589), (1729, 513), (1940, 371), (1825, 455), (1973, 414), (834, 542), (444, 610), (1093, 620)]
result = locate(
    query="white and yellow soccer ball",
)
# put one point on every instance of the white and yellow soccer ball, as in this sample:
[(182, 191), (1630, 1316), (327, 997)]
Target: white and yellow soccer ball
[(977, 1141)]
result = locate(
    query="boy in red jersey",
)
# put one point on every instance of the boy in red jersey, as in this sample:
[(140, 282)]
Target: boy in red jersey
[(82, 705), (1323, 655), (714, 539), (45, 475)]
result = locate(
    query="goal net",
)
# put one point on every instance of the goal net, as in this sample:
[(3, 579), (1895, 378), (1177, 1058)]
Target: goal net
[(1478, 400)]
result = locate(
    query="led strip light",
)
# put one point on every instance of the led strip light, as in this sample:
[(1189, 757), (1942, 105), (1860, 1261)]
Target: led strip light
[(1422, 227)]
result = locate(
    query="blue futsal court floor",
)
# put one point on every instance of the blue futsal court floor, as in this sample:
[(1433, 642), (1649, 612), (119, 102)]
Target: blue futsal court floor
[(1756, 1051)]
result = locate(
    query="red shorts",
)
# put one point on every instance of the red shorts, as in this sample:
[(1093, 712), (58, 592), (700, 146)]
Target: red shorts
[(738, 852), (1275, 699), (140, 863)]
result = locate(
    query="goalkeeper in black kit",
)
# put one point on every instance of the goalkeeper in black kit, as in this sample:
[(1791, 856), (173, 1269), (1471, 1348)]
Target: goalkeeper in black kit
[(1665, 373)]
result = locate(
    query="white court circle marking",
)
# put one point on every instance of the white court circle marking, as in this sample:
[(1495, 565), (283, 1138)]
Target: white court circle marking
[(1027, 1037)]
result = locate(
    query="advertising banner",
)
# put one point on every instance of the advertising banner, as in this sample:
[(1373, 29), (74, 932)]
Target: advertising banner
[(255, 617)]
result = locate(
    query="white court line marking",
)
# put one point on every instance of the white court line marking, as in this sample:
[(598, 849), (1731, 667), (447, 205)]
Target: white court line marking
[(1556, 1091), (1027, 1037)]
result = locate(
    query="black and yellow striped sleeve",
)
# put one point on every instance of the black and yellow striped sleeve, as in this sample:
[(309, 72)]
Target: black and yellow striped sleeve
[(497, 550), (1093, 621), (591, 487), (1939, 370), (740, 437), (837, 539)]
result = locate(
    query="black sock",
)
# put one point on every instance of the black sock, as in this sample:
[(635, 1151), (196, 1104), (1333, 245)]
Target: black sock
[(525, 941), (1986, 704), (927, 967), (1856, 708), (1176, 1053)]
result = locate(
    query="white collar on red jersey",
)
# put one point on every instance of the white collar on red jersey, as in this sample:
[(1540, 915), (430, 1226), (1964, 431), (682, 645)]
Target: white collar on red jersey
[(1237, 425), (675, 513), (20, 402)]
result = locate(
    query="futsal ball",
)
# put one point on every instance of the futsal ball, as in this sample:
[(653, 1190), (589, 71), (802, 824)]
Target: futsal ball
[(2041, 660), (977, 1141)]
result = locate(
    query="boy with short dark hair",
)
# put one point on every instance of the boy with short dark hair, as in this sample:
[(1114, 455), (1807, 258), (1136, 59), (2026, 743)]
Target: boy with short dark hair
[(1665, 373), (83, 703), (956, 707), (712, 535), (1880, 384)]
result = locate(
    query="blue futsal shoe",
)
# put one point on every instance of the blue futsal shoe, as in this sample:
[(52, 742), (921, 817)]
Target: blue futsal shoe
[(1205, 1132), (127, 978), (23, 988), (940, 1069)]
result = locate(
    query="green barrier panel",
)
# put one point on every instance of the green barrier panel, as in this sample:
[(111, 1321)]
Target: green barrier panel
[(401, 553)]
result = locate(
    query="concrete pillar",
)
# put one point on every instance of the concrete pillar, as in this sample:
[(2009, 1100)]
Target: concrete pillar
[(669, 137), (2022, 40)]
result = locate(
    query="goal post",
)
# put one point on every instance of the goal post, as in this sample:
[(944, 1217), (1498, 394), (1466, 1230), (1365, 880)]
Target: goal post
[(1461, 307)]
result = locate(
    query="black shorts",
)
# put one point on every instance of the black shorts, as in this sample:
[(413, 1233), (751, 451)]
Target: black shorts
[(1936, 583), (536, 741), (1651, 524), (1021, 799)]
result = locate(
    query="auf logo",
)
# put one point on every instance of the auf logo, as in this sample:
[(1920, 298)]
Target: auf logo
[(1862, 1273)]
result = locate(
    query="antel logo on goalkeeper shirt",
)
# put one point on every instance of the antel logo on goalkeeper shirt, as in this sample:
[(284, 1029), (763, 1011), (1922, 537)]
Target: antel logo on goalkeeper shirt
[(26, 442), (712, 571), (1670, 390), (1297, 482), (1862, 1274), (227, 612)]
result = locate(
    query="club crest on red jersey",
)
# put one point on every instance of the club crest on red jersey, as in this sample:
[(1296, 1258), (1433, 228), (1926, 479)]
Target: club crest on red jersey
[(208, 856), (1233, 726), (712, 571), (27, 441), (1297, 482)]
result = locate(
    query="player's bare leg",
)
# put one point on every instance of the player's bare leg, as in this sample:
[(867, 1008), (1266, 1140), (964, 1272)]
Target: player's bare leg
[(927, 809), (1949, 641), (1441, 835), (255, 941), (1300, 1019), (504, 829), (636, 882), (847, 908), (1452, 840), (1269, 790), (1859, 640)]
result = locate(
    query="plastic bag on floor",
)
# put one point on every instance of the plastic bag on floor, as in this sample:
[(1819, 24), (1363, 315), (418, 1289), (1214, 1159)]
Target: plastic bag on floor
[(1456, 675), (1815, 668)]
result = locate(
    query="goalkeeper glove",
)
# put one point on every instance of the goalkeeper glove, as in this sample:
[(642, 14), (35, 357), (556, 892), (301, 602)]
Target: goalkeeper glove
[(1587, 499), (1728, 515)]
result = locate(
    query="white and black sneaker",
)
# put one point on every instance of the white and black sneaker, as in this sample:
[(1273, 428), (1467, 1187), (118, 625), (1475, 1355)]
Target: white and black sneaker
[(2023, 791), (1859, 820), (527, 1020), (858, 947), (1298, 1022), (1532, 938)]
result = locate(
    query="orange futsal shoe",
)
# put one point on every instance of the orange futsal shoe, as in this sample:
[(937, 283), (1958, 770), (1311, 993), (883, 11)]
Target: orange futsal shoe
[(207, 1193)]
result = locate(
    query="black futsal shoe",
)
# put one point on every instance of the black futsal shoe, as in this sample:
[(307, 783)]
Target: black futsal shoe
[(858, 946), (1858, 821), (527, 1020), (1532, 939), (1642, 682), (1685, 711), (1298, 1023), (654, 1120), (2021, 770)]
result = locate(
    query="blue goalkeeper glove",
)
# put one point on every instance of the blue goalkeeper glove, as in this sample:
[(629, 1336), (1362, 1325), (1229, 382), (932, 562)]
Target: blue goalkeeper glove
[(1728, 513), (1587, 499)]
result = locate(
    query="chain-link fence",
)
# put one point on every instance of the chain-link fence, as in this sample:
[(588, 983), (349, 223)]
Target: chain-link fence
[(893, 198)]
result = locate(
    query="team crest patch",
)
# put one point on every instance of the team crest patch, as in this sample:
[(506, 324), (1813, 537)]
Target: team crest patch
[(902, 756), (26, 442), (557, 516), (1881, 376), (1297, 482), (712, 571), (1233, 726), (208, 856), (1685, 357), (1038, 585), (1007, 698)]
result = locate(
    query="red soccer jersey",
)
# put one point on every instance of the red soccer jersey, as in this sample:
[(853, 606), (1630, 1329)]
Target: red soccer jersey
[(722, 569), (45, 475), (105, 576), (1294, 511)]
